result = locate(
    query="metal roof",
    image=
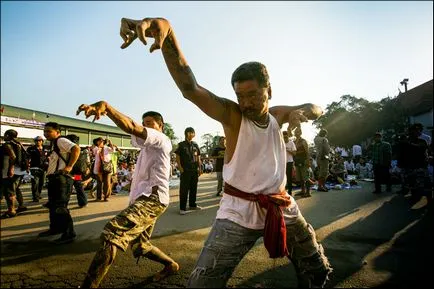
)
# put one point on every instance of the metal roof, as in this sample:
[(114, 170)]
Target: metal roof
[(43, 117)]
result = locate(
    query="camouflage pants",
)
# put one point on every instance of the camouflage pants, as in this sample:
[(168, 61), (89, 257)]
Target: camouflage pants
[(134, 225), (228, 243)]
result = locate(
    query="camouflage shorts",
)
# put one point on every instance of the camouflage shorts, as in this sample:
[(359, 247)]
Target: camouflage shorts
[(134, 225)]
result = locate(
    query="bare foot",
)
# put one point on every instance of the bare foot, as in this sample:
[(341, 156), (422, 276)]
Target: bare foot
[(167, 271)]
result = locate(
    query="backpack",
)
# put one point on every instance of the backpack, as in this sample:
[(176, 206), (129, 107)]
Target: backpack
[(22, 157), (81, 165)]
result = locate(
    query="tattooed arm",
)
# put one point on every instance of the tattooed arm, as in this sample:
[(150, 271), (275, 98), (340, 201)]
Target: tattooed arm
[(220, 109)]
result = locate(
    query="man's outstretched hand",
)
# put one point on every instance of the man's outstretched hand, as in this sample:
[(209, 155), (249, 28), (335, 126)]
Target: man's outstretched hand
[(97, 109), (308, 112), (157, 28)]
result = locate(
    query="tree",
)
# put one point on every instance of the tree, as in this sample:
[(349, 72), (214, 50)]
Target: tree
[(168, 131), (352, 120), (208, 143)]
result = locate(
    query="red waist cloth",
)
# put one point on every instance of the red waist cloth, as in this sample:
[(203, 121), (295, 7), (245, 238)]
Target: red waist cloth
[(275, 229)]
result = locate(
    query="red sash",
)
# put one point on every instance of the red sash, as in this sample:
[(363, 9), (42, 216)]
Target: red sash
[(275, 229)]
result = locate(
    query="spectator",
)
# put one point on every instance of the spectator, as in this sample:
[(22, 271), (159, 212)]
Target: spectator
[(323, 151), (190, 166), (381, 160), (38, 167), (290, 151), (219, 154), (301, 163), (14, 167), (60, 184)]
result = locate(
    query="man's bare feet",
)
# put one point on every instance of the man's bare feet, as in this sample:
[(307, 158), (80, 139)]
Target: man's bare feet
[(167, 271)]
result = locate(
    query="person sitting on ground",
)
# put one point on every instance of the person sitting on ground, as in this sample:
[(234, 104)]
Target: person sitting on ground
[(338, 172), (362, 170)]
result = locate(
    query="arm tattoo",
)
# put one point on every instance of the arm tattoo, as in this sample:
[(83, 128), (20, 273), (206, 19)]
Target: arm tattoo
[(220, 100), (189, 82), (171, 46)]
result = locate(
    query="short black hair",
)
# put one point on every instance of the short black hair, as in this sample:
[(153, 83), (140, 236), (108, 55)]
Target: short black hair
[(251, 71), (188, 129), (11, 133), (95, 140), (53, 125), (155, 115)]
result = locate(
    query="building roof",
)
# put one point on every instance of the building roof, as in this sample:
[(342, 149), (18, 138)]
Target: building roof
[(43, 117), (417, 100)]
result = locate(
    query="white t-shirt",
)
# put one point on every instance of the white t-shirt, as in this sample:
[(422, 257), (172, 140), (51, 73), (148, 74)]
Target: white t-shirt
[(152, 167), (344, 153), (65, 146), (257, 167), (349, 166), (290, 147), (357, 150)]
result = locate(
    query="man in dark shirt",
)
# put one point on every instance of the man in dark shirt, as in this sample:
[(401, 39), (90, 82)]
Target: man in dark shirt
[(219, 154), (413, 160), (381, 159), (190, 167), (38, 166)]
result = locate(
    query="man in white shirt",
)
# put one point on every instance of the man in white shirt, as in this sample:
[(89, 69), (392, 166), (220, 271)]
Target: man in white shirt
[(60, 163), (254, 167), (290, 150), (357, 153), (148, 198)]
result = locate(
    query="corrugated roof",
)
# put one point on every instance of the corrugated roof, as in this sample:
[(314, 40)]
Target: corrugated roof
[(40, 116), (418, 99)]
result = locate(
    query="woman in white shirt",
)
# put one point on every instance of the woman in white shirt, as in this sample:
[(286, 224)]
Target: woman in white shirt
[(102, 152)]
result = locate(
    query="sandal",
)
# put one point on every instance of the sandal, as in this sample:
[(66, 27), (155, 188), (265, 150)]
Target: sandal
[(8, 215)]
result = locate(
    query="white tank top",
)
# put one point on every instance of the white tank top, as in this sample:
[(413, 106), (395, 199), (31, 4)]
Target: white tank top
[(258, 166)]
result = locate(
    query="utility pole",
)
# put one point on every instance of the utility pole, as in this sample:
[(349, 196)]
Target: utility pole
[(404, 82)]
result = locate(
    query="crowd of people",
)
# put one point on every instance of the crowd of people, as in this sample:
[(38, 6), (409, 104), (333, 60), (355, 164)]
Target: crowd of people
[(405, 160)]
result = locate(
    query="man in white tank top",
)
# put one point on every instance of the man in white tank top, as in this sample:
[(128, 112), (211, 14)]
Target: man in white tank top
[(254, 202)]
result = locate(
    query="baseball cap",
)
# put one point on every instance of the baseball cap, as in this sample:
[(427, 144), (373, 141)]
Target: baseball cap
[(38, 138)]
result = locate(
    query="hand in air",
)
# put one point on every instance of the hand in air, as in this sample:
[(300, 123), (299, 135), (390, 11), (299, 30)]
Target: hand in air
[(97, 109), (157, 28), (296, 118)]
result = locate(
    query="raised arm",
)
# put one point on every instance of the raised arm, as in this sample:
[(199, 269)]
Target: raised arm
[(295, 115), (160, 29), (124, 122)]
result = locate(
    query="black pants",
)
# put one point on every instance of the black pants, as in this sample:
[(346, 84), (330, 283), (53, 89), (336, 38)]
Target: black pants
[(188, 189), (381, 176), (37, 183), (59, 193), (81, 196), (289, 167)]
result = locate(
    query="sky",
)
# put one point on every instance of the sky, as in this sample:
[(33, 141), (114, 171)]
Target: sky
[(58, 55)]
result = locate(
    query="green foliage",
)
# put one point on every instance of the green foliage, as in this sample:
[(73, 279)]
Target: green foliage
[(168, 130), (352, 120), (208, 143)]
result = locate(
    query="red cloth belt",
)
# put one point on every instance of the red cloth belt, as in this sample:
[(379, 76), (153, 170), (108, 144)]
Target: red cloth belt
[(275, 229)]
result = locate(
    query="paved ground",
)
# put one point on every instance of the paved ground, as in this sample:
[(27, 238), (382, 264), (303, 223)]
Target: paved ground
[(371, 241)]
